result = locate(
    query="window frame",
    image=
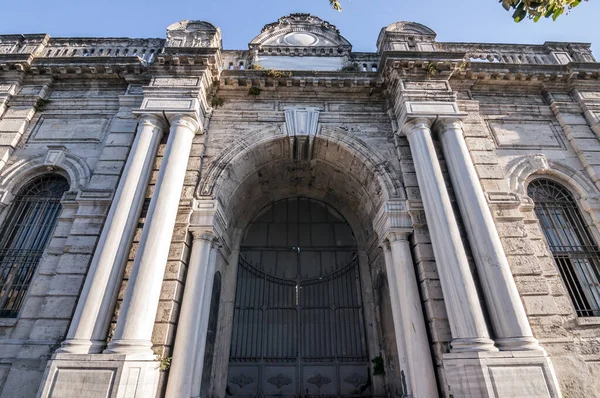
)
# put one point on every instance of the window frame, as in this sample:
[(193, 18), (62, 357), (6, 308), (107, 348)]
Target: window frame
[(5, 217), (590, 229)]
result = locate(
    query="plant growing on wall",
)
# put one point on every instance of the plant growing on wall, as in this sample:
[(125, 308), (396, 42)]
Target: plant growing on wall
[(533, 9), (164, 363), (378, 368), (277, 74), (216, 102), (254, 91)]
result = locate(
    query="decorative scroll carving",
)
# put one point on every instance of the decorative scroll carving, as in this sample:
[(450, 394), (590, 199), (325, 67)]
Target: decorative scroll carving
[(280, 380), (300, 18), (319, 380)]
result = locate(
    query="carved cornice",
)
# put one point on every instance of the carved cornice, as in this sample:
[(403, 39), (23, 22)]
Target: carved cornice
[(392, 217), (208, 218)]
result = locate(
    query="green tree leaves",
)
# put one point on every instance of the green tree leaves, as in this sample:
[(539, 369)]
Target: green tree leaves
[(335, 4), (534, 9)]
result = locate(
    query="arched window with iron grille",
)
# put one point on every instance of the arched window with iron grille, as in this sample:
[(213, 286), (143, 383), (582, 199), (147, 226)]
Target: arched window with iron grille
[(25, 232), (574, 250)]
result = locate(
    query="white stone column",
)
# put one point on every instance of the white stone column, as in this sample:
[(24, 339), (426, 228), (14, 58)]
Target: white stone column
[(467, 324), (87, 333), (396, 304), (503, 302), (420, 371), (185, 352), (136, 319), (204, 317)]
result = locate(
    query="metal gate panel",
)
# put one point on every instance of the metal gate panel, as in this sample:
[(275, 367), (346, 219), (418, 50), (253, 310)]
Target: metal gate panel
[(298, 325)]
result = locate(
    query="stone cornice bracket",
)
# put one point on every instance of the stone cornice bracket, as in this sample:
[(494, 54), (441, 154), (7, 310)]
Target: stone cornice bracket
[(427, 112), (301, 126), (301, 120), (208, 217), (392, 219)]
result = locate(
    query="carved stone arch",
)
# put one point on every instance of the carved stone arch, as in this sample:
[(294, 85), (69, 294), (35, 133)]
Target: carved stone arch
[(381, 167), (241, 145), (72, 167), (523, 169), (387, 177)]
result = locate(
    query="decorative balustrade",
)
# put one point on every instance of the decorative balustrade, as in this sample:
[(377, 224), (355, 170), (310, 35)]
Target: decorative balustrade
[(145, 49), (545, 54), (39, 46)]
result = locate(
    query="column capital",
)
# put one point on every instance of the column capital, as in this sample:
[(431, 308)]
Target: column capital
[(385, 245), (203, 234), (397, 234), (151, 119), (415, 124), (448, 123), (185, 120)]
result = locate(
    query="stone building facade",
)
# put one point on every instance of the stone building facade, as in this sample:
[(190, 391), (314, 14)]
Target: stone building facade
[(298, 219)]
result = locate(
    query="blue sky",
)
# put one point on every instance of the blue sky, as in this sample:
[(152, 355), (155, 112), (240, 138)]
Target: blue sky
[(240, 21)]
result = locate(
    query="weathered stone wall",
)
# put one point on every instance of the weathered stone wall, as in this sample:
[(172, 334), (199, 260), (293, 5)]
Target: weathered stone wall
[(506, 125), (90, 123)]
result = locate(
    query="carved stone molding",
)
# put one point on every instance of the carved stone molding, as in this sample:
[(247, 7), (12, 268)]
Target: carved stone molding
[(208, 222), (520, 170), (392, 216), (57, 159)]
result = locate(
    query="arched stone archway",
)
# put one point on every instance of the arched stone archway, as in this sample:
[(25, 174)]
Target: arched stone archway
[(341, 172)]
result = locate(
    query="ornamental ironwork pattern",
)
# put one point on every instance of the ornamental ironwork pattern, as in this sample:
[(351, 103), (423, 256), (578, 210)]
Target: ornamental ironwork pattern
[(356, 380), (241, 380), (280, 380), (319, 380)]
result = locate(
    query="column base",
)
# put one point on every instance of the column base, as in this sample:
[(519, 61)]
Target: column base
[(78, 346), (472, 345), (519, 344), (100, 376), (500, 375), (127, 347)]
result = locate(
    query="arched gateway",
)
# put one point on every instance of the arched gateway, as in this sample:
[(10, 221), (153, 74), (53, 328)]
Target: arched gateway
[(298, 323)]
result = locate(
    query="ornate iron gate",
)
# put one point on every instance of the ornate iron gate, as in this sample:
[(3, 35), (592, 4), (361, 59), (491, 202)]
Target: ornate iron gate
[(298, 328)]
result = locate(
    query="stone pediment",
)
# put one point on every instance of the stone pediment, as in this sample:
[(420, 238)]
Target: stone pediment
[(296, 31)]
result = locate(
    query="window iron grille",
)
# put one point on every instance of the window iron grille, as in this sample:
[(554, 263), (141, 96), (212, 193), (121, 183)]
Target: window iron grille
[(26, 231), (571, 243)]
